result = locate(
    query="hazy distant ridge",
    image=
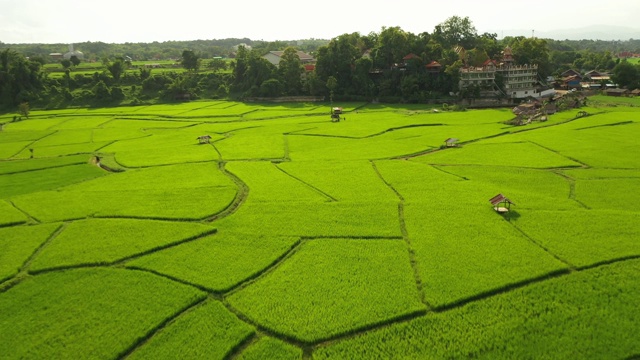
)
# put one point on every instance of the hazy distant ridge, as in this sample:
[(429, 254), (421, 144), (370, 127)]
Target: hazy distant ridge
[(594, 32)]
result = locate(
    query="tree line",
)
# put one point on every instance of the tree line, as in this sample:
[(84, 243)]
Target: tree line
[(348, 67)]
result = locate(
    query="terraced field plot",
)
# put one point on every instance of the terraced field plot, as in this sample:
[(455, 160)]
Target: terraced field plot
[(289, 236)]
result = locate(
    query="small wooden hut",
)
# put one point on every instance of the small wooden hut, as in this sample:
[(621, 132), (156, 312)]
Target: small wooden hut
[(501, 203), (451, 142), (204, 139)]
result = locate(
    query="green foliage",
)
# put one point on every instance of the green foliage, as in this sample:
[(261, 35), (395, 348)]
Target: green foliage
[(237, 258), (320, 291), (18, 243), (105, 241), (114, 309), (48, 179), (209, 331), (190, 60), (270, 348), (9, 215), (544, 320)]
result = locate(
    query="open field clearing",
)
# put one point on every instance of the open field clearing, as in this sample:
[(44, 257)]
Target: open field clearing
[(288, 236)]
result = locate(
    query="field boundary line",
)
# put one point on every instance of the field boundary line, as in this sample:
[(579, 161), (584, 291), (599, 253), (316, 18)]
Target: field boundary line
[(570, 266), (23, 273), (584, 165), (319, 191), (295, 247), (405, 236), (123, 260), (33, 142), (29, 217), (170, 277), (502, 290), (384, 181), (241, 346), (572, 187), (155, 330), (242, 193), (40, 169)]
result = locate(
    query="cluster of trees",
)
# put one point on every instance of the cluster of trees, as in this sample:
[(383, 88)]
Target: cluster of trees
[(350, 67)]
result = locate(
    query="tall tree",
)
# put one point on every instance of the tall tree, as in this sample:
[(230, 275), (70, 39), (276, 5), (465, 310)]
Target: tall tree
[(290, 69), (20, 79), (117, 68), (527, 51), (626, 74), (190, 60), (456, 31)]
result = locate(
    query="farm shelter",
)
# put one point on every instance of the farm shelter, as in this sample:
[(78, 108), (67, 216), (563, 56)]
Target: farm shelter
[(501, 203), (204, 139), (617, 92), (451, 142)]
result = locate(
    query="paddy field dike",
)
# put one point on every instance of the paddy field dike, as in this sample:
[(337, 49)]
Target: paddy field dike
[(284, 235)]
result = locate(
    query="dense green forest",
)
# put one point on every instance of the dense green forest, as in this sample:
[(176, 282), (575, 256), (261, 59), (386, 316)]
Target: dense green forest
[(349, 67)]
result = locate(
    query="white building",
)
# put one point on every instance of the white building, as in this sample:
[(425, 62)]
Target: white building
[(519, 81)]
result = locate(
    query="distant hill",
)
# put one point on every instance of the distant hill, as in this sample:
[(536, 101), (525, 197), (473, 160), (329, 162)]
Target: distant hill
[(594, 32)]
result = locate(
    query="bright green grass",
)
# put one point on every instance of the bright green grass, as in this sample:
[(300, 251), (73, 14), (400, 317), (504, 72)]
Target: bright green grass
[(270, 348), (82, 122), (66, 137), (332, 287), (61, 150), (552, 320), (613, 194), (219, 262), (397, 143), (47, 179), (34, 124), (350, 181), (586, 237), (18, 243), (208, 331), (481, 254), (189, 191), (321, 219), (602, 173), (87, 313), (8, 150), (105, 241), (166, 148), (635, 101), (16, 166), (23, 136), (603, 146), (527, 188), (504, 154), (251, 145), (268, 184), (9, 215)]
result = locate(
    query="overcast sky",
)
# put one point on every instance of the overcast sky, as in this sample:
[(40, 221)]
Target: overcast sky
[(119, 21)]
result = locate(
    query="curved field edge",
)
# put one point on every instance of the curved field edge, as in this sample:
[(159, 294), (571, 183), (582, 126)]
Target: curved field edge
[(552, 319)]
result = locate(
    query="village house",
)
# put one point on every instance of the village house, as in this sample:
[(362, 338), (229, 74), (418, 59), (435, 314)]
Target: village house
[(275, 57)]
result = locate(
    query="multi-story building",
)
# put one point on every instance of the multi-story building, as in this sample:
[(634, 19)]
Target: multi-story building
[(513, 81)]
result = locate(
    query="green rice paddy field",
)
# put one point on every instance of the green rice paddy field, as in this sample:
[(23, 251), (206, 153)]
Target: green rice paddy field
[(292, 237)]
